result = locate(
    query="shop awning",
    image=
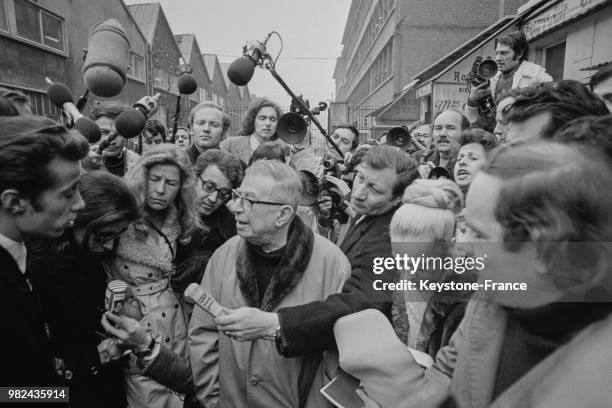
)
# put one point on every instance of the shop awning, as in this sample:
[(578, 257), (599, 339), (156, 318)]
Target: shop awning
[(382, 110)]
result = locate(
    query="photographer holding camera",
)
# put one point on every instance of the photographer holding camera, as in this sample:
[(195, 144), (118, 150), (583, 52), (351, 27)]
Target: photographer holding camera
[(514, 71)]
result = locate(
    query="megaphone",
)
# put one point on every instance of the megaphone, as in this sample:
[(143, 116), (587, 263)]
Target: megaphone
[(399, 137), (291, 128)]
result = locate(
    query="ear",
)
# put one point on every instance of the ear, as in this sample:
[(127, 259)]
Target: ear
[(285, 215), (12, 202)]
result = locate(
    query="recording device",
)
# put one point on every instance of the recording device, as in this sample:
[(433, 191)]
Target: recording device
[(399, 137), (60, 96), (292, 126), (116, 300), (131, 122), (108, 54), (482, 71), (242, 69), (196, 294), (186, 86)]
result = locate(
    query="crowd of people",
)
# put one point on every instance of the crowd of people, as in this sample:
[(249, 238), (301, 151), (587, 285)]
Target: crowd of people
[(286, 242)]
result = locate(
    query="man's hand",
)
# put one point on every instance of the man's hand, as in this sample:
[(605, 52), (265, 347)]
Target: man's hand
[(325, 206), (128, 332), (478, 93), (109, 351), (425, 169), (338, 186), (247, 323)]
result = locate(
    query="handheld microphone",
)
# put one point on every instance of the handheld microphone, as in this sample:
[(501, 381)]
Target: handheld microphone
[(131, 122), (196, 294), (60, 96), (241, 70), (186, 86)]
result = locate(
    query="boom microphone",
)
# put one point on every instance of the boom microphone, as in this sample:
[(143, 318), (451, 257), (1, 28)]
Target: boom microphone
[(108, 53), (241, 70), (60, 96)]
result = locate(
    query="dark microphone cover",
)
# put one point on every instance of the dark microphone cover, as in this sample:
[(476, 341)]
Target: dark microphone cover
[(130, 123), (89, 129), (59, 94), (241, 71), (187, 84)]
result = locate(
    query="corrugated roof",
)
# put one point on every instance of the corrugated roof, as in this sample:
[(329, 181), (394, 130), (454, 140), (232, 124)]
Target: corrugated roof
[(146, 15), (185, 44)]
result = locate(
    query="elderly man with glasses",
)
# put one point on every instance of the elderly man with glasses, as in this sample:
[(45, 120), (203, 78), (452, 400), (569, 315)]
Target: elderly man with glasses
[(275, 261)]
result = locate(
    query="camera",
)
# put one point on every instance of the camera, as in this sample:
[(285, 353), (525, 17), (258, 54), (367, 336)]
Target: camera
[(482, 71)]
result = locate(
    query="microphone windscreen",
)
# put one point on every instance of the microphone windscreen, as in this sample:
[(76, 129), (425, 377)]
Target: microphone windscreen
[(241, 71), (130, 123), (89, 129), (187, 84), (59, 94)]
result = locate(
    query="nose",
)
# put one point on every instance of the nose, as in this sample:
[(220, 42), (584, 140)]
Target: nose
[(233, 206), (212, 197), (359, 191), (79, 204), (160, 187)]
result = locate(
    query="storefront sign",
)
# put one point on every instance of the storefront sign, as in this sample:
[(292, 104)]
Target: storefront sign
[(423, 91), (446, 96), (557, 15)]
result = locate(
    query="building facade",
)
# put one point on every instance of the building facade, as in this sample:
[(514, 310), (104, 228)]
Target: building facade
[(387, 42)]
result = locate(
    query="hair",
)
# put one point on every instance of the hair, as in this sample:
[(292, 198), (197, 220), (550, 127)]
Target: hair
[(418, 124), (166, 153), (288, 186), (565, 101), (354, 130), (594, 131), (27, 145), (268, 151), (387, 157), (12, 103), (552, 194), (104, 110), (154, 128), (465, 122), (487, 140), (600, 76), (210, 104), (107, 199), (518, 42), (227, 163), (248, 123), (429, 208)]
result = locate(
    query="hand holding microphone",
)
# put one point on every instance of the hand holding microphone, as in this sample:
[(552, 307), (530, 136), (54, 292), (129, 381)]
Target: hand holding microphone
[(60, 96)]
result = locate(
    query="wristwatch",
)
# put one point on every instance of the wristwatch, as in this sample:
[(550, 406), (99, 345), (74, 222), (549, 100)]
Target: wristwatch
[(145, 351), (281, 346)]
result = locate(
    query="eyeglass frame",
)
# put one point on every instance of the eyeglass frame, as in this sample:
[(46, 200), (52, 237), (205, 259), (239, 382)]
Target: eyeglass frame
[(112, 237), (224, 197), (236, 195)]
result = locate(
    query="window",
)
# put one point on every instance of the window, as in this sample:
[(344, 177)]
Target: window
[(202, 93), (34, 24), (555, 61), (3, 17), (137, 64)]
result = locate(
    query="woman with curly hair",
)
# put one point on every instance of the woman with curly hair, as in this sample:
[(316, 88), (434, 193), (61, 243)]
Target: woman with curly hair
[(258, 126), (163, 183)]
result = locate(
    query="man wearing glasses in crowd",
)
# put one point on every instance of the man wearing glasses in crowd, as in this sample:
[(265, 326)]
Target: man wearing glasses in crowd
[(275, 261)]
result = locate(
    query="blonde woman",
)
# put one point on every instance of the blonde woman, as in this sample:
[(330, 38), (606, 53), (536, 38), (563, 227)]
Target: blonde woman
[(163, 182), (424, 226)]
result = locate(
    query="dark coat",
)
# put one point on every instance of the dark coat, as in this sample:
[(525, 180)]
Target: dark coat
[(309, 328), (72, 288), (27, 359)]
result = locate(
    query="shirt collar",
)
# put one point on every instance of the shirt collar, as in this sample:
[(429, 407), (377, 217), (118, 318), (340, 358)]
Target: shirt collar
[(17, 250)]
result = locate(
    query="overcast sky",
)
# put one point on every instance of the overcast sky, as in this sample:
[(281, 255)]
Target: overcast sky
[(311, 32)]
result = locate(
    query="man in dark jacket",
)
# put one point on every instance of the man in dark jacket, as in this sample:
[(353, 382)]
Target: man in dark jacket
[(39, 174), (377, 191)]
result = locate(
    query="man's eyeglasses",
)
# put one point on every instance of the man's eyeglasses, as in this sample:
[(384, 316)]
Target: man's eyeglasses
[(247, 203), (102, 237), (210, 187)]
